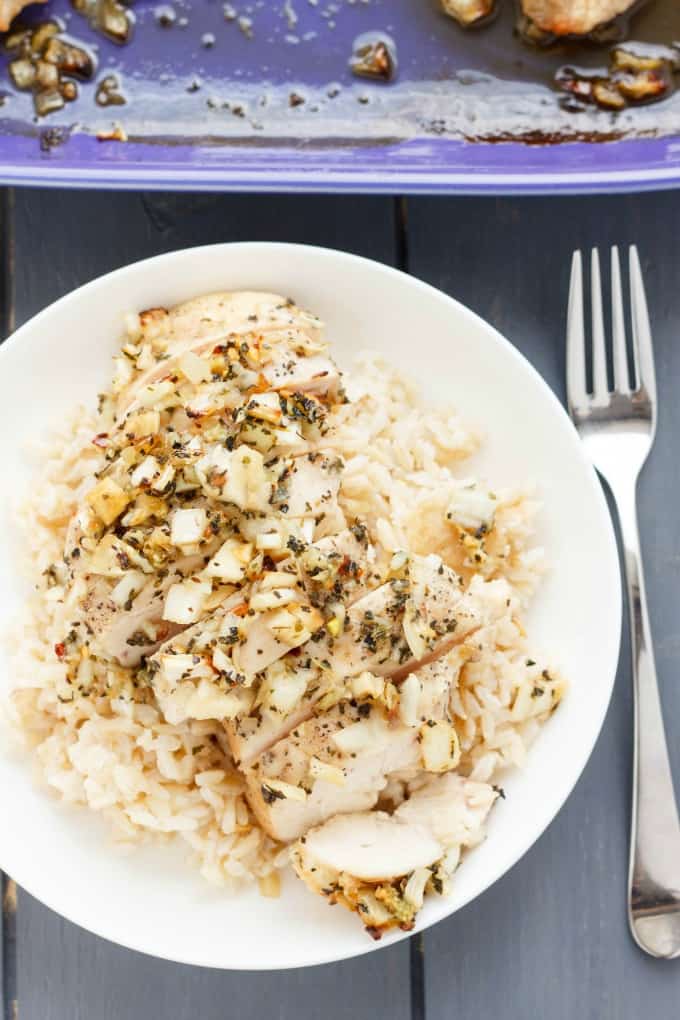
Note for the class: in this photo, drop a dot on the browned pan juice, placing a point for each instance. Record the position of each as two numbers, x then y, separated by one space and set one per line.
497 47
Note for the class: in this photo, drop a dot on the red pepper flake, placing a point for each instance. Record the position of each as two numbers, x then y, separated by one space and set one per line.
60 650
101 440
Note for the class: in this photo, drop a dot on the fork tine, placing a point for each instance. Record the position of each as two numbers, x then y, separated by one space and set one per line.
620 357
642 334
576 356
599 352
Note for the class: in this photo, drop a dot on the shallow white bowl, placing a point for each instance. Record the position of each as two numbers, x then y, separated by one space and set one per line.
150 900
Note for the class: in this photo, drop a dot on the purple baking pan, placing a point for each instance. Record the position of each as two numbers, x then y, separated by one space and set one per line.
266 101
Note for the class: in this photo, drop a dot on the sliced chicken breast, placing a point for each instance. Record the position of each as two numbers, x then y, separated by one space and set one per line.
126 634
308 777
450 807
291 352
307 488
404 621
380 865
339 761
371 846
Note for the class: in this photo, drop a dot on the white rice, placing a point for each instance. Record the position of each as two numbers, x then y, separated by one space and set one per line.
150 779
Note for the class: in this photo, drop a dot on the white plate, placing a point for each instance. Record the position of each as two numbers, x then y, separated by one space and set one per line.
150 900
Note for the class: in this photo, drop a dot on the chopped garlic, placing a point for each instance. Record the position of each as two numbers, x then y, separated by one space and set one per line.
265 407
282 688
177 668
146 423
472 508
196 369
155 393
128 587
409 693
184 601
108 500
414 890
287 791
328 773
164 480
273 599
269 540
145 471
187 526
367 685
277 579
230 561
439 745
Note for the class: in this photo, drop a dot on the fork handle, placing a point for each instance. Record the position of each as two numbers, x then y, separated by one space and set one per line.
654 875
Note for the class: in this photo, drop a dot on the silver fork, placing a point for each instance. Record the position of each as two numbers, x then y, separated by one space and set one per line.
617 425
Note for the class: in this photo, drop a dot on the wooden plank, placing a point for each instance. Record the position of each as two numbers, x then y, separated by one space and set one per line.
551 939
62 240
8 892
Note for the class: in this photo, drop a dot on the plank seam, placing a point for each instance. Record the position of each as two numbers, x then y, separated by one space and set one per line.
416 944
7 885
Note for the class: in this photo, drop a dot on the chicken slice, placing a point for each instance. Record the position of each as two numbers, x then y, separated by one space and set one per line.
289 616
341 568
380 865
126 635
437 615
193 677
340 760
308 777
307 489
283 335
297 488
10 8
572 17
125 613
370 846
405 621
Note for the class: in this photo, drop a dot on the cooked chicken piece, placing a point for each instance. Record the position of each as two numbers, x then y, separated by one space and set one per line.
193 677
308 488
10 8
572 17
281 333
281 614
405 621
299 488
125 599
312 374
288 689
371 846
451 807
341 568
123 634
437 616
381 865
307 777
467 12
340 760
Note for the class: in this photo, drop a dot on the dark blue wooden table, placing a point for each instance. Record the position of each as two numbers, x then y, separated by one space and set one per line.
550 940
